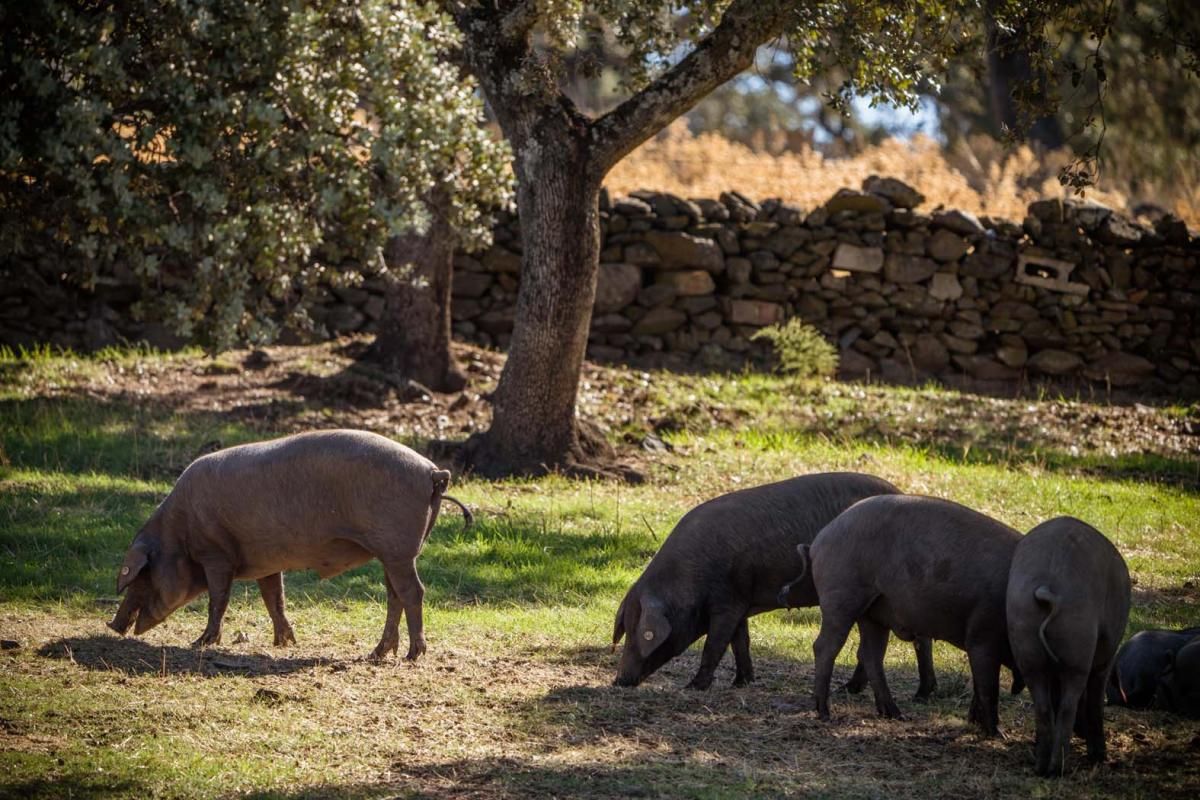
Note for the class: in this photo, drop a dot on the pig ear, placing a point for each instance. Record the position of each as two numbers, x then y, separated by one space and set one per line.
619 625
653 627
135 560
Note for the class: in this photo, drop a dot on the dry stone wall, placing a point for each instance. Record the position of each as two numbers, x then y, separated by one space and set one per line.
1074 292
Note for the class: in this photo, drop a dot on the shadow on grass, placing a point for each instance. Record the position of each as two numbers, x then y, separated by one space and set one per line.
136 657
56 787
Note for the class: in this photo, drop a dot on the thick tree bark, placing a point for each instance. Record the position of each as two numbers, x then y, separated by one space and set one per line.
1010 69
413 342
534 427
561 157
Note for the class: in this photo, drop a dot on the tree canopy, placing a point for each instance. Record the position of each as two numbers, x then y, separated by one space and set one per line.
233 155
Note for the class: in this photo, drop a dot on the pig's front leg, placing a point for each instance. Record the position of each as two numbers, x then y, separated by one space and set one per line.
271 588
220 581
722 626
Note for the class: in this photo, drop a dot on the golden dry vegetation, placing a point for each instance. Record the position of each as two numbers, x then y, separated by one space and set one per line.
979 175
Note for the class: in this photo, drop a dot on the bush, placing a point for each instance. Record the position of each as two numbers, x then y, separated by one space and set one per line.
801 349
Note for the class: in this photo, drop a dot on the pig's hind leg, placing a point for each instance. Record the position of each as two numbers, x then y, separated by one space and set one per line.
219 578
872 646
741 654
271 588
405 595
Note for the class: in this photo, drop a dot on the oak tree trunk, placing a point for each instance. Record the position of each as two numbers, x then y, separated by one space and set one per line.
1010 70
413 342
534 426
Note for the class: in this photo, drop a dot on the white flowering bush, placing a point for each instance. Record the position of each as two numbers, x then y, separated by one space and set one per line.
232 155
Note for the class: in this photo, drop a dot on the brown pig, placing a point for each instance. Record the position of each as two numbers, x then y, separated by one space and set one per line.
725 562
916 566
327 501
1067 605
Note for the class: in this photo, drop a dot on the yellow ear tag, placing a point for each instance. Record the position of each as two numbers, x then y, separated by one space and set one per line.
648 635
124 570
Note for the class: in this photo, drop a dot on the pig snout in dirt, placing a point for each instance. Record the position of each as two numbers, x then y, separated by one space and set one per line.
1141 662
327 501
724 562
919 567
1067 604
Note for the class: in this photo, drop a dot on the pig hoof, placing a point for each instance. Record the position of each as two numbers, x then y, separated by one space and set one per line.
699 684
742 680
415 651
206 639
284 638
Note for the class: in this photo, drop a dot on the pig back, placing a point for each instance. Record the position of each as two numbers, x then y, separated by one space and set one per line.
750 536
326 500
938 568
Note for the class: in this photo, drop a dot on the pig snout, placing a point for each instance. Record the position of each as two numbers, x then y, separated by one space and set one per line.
627 681
125 616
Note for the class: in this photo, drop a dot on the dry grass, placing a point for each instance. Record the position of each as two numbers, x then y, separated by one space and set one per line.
980 176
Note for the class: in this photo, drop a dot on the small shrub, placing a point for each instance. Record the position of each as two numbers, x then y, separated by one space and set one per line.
801 349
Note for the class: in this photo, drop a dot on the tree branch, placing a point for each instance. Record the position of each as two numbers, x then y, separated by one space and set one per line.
720 56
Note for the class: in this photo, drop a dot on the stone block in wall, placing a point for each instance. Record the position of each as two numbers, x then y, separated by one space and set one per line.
712 210
631 207
709 320
1012 350
857 259
351 295
957 344
344 318
896 191
678 250
811 308
659 320
754 312
916 302
496 321
740 207
500 259
945 286
617 286
964 223
1120 369
985 369
611 323
642 255
861 202
787 240
1119 231
929 354
739 270
689 283
1048 210
697 305
1054 362
471 284
900 268
464 308
656 294
946 245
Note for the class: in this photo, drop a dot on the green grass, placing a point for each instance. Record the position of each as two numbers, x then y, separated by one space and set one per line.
513 698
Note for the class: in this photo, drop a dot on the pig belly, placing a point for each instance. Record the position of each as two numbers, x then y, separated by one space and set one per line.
909 623
327 559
